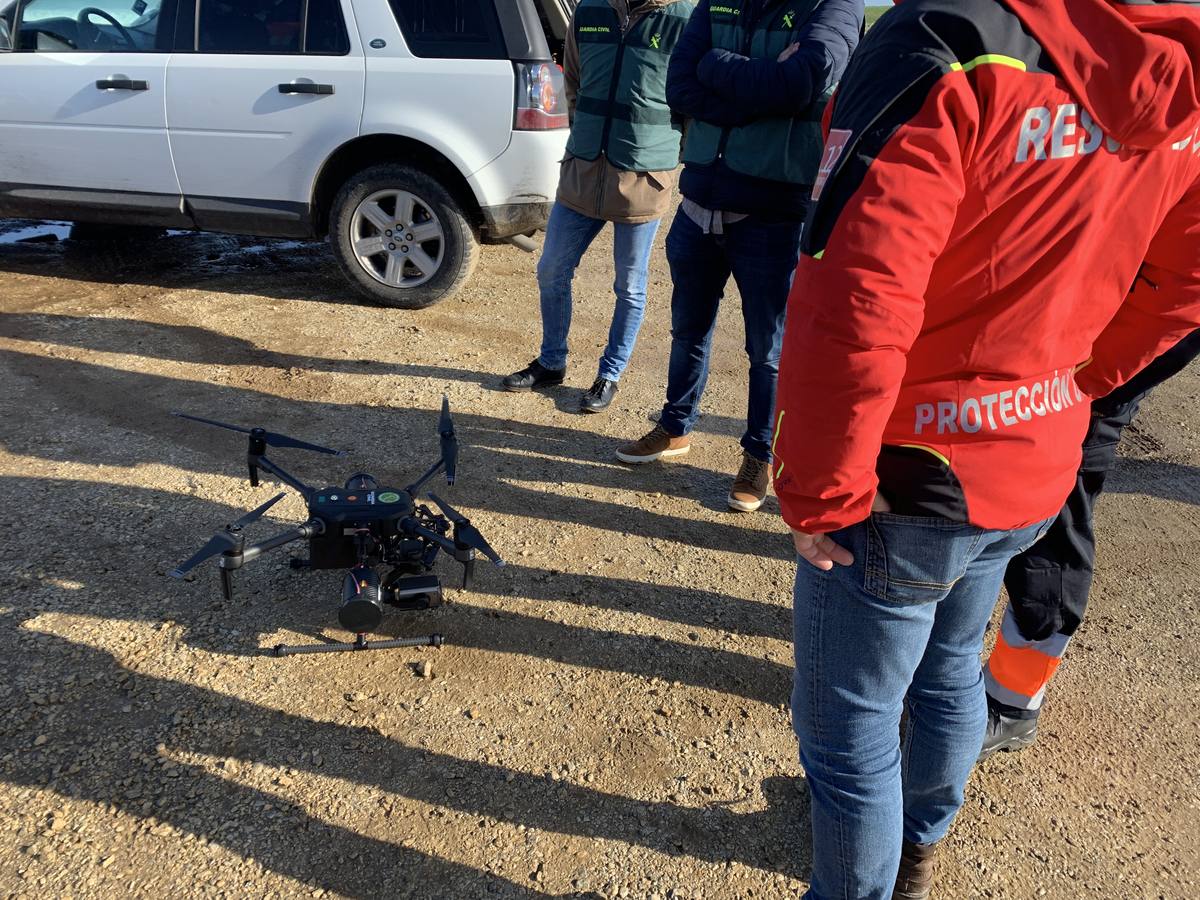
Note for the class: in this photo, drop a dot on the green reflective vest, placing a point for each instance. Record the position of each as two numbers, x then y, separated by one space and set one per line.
777 148
621 108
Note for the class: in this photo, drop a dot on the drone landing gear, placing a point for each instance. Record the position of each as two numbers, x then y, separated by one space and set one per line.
360 643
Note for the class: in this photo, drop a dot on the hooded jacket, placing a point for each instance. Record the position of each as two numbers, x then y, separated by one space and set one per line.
1006 223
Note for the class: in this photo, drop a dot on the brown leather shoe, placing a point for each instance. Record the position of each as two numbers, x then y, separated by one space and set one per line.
750 487
915 878
655 445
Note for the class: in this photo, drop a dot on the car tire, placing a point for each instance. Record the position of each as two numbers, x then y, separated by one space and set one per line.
376 224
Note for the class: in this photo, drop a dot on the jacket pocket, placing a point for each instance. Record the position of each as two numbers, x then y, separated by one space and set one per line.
662 181
916 559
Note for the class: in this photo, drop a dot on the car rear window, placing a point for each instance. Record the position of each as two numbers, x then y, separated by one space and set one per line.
451 29
276 26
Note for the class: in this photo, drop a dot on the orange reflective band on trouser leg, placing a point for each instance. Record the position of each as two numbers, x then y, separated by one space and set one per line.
1020 671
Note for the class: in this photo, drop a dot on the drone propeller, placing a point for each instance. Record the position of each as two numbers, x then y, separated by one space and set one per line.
465 532
269 437
225 539
449 440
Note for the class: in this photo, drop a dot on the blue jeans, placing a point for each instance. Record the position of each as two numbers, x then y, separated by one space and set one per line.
902 626
762 258
568 235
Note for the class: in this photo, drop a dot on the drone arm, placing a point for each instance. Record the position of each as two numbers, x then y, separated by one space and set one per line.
411 527
253 551
287 478
412 489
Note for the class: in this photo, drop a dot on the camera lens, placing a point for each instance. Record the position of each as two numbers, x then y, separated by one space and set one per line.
362 606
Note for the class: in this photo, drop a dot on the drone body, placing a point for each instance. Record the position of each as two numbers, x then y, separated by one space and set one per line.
382 510
361 527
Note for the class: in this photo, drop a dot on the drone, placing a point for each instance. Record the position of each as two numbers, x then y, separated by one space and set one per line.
361 526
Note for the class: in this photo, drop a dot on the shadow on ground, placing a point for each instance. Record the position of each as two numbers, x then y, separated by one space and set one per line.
528 453
193 344
115 556
1156 478
120 769
118 541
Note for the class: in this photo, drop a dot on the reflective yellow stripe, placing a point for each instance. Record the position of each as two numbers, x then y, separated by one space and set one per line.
989 59
775 440
928 450
818 254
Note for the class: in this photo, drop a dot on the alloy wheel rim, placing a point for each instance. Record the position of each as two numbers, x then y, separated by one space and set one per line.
397 238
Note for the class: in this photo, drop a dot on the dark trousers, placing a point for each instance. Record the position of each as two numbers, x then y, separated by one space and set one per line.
761 257
1048 584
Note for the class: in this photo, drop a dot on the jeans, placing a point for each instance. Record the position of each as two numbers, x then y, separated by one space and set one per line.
568 235
762 258
1048 585
902 626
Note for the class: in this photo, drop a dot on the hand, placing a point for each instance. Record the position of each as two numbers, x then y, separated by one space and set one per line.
787 53
820 550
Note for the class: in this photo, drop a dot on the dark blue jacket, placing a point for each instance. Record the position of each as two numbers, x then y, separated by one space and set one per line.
728 90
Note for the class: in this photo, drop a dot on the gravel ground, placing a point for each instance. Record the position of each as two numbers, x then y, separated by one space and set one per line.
608 717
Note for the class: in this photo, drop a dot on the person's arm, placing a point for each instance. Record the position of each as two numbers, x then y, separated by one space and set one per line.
1162 308
787 87
571 68
685 94
858 299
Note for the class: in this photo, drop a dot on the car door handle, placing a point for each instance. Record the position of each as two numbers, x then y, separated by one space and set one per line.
305 87
121 84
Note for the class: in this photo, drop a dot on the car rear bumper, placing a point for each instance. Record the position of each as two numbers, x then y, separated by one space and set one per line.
500 222
516 189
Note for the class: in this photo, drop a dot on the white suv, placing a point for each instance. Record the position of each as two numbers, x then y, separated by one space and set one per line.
405 130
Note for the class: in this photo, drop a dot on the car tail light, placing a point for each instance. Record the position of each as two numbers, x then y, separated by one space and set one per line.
541 99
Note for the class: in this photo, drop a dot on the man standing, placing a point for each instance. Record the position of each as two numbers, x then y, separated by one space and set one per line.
620 168
1048 584
962 283
753 76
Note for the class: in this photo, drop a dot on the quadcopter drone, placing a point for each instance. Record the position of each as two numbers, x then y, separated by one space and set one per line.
360 526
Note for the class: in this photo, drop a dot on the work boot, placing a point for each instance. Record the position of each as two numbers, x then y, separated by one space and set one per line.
914 881
1006 732
598 396
750 487
534 375
655 445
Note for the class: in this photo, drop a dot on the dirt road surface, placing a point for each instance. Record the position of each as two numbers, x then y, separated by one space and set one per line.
609 715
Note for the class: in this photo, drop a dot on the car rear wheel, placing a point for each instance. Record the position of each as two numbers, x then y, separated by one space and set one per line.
400 237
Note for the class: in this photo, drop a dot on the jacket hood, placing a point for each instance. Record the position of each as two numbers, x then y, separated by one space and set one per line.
1129 63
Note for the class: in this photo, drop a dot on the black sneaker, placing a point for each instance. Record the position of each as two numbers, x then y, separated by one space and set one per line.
1007 733
534 375
598 396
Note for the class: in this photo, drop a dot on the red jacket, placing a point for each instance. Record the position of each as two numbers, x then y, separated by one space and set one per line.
996 178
